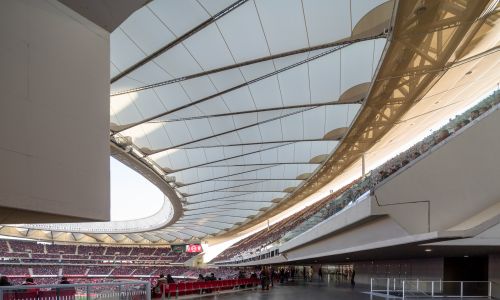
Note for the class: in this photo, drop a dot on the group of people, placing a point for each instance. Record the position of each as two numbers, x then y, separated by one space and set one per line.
268 275
210 277
165 280
4 281
31 286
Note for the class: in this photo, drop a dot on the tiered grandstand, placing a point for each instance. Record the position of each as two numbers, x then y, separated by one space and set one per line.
302 221
46 263
23 258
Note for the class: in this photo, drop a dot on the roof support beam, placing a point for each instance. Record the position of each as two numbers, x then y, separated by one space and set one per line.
218 207
245 63
173 231
225 176
162 235
214 215
224 191
201 225
231 157
179 40
237 129
256 179
262 164
225 197
226 204
176 234
244 165
235 156
255 143
148 152
264 179
204 99
226 188
230 187
192 233
209 221
190 228
233 201
336 102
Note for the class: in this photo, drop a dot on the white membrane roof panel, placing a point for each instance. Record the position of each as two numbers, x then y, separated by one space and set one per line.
238 109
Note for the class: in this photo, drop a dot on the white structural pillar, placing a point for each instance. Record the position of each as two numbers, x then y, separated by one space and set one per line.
54 114
363 165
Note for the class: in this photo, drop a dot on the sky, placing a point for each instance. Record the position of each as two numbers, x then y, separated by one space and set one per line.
132 196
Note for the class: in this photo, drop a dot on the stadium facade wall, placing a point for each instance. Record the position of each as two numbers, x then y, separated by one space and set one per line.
423 269
494 274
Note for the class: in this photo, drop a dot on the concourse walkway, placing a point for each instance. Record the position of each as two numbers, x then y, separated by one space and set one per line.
308 291
299 290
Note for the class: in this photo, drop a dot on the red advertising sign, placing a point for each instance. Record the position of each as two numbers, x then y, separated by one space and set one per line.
194 248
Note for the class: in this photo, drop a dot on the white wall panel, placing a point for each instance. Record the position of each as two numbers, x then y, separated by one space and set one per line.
54 114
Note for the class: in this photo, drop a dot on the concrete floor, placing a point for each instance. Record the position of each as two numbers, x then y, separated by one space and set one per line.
307 291
298 291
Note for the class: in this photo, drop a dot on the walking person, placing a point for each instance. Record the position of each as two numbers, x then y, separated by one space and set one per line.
264 278
273 277
353 283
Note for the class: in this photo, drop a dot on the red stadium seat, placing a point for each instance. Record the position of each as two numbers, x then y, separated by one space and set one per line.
26 295
190 287
172 290
204 286
181 288
67 294
197 287
8 295
42 295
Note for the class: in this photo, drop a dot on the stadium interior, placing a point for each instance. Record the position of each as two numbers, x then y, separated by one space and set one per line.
301 148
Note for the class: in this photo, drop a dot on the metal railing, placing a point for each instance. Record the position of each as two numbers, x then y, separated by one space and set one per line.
415 288
122 290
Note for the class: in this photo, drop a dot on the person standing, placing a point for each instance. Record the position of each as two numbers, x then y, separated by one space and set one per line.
273 276
264 278
320 273
64 280
353 283
30 281
4 281
170 279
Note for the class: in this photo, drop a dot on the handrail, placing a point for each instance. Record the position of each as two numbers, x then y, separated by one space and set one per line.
133 289
429 288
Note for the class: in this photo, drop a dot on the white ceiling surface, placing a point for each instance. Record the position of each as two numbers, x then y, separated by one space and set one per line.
230 166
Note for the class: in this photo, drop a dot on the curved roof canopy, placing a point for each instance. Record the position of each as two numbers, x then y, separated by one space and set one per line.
238 103
235 110
234 104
